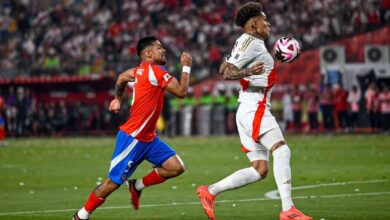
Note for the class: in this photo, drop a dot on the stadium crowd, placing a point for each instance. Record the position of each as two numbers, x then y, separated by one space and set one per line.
302 109
74 37
98 36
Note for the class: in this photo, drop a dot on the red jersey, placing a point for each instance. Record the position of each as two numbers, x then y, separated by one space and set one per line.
148 100
340 102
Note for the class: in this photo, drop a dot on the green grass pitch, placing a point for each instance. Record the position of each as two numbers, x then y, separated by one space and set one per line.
336 178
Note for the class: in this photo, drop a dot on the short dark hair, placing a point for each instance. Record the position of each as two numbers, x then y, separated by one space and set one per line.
144 43
248 11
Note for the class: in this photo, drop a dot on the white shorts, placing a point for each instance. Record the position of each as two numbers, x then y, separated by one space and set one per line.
254 120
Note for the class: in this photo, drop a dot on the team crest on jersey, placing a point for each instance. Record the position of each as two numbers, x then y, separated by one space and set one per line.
167 77
140 71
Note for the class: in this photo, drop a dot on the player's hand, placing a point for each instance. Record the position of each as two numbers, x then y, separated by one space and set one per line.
257 69
222 67
186 59
115 105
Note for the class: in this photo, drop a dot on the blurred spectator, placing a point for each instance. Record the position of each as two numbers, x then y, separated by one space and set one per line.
2 121
51 62
297 100
204 112
174 124
232 107
102 34
384 10
2 103
384 100
327 107
188 114
2 130
354 107
287 109
220 111
21 106
215 58
340 102
372 105
312 99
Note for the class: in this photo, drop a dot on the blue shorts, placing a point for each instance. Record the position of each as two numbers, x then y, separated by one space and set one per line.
130 152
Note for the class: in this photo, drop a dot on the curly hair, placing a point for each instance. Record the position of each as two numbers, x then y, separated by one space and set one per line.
248 11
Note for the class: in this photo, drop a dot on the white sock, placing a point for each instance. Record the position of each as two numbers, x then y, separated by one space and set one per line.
282 173
236 180
83 214
139 185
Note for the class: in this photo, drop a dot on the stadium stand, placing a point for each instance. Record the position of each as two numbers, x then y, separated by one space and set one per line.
62 43
82 37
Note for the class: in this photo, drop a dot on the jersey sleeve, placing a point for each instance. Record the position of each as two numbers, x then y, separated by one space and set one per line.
162 76
244 53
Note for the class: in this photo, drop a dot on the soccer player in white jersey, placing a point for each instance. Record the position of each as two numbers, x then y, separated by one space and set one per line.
258 130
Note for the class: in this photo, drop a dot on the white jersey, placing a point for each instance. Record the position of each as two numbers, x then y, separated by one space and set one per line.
247 51
254 117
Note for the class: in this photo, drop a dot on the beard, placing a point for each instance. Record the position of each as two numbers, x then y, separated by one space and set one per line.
161 61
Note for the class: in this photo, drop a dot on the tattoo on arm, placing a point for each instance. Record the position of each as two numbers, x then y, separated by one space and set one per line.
232 72
119 89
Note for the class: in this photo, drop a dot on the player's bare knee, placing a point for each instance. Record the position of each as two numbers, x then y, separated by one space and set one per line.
177 170
181 169
261 168
263 171
277 145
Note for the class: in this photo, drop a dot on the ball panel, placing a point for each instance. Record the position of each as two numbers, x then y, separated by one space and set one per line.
286 49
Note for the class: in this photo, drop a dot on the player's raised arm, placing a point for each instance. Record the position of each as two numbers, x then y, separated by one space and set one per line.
120 85
231 72
177 88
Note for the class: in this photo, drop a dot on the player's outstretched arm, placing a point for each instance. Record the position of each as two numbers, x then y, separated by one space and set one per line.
177 88
231 72
120 85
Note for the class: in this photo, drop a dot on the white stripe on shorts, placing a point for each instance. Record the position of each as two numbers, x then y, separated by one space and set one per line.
124 154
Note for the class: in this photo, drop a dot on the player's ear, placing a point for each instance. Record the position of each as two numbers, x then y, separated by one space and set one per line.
254 23
148 52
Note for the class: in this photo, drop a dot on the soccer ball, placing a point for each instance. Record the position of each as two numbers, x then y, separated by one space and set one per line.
287 49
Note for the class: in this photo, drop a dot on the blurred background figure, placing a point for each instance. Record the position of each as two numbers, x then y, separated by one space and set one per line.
340 97
188 114
297 100
232 106
372 105
2 120
384 100
174 124
220 111
312 99
205 109
68 53
327 108
287 109
354 98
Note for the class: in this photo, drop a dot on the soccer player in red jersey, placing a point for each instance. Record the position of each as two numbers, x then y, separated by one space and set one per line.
253 65
137 140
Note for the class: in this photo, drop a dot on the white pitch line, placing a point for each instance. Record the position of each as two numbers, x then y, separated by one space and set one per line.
274 194
198 203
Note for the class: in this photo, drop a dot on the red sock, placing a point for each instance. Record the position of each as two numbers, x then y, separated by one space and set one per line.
152 179
93 202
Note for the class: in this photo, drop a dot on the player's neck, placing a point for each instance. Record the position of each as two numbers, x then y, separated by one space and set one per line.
256 35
